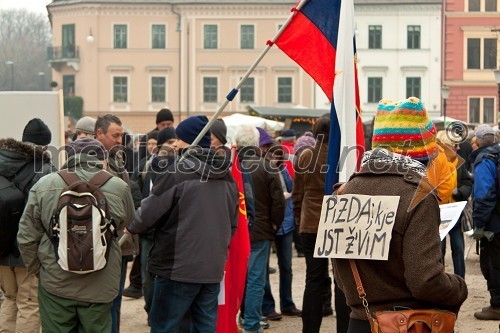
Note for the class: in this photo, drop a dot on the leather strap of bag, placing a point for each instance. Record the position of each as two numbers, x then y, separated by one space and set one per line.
361 291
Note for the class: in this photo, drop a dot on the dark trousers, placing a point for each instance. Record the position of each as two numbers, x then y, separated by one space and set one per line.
359 326
135 273
173 299
342 310
490 267
457 249
297 240
316 270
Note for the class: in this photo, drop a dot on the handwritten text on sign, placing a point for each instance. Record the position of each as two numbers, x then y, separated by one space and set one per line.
355 226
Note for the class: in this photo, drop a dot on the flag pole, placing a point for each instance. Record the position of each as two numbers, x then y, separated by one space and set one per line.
235 90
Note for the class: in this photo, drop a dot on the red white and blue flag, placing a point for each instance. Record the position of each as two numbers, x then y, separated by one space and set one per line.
320 39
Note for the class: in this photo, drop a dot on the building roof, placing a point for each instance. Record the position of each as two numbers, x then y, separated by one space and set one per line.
179 2
265 111
220 2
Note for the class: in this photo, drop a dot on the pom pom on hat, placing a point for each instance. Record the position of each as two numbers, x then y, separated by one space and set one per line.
405 128
306 140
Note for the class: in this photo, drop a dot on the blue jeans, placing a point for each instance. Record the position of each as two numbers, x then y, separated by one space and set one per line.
457 249
117 302
147 278
173 299
256 281
284 252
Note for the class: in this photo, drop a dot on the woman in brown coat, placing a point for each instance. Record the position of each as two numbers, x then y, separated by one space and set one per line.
413 276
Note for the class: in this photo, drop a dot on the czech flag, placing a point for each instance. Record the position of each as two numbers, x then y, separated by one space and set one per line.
233 285
320 39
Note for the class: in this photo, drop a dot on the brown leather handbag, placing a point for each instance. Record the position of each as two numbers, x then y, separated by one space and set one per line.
405 321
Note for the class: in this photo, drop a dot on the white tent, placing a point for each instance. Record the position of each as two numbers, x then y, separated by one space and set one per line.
235 120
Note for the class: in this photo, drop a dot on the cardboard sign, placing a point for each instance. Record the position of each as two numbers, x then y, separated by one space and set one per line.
450 214
354 226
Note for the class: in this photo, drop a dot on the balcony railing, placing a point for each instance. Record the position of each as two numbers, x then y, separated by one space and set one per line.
55 53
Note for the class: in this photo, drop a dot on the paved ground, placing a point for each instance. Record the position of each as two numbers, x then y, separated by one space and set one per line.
134 317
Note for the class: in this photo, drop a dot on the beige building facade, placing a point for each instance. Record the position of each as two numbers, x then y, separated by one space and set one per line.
132 58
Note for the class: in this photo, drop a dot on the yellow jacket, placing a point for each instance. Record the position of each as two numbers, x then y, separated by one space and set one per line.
442 177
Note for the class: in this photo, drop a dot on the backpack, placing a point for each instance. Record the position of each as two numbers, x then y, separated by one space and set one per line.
11 208
82 226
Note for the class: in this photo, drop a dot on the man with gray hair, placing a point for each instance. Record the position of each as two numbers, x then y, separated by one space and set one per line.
486 215
269 213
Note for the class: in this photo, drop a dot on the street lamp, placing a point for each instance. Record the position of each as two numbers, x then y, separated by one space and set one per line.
42 80
497 78
11 64
445 93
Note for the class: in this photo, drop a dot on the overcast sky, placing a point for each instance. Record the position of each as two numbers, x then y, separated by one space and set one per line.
32 5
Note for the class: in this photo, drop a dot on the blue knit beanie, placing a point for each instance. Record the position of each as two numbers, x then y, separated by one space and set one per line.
189 129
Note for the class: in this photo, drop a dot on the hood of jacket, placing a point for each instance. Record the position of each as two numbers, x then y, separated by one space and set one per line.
494 148
14 155
205 162
83 161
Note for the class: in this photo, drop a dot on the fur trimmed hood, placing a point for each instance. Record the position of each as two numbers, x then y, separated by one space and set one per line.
14 155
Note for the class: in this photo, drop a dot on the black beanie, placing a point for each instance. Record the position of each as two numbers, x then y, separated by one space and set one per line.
37 132
219 129
189 129
166 134
152 135
164 115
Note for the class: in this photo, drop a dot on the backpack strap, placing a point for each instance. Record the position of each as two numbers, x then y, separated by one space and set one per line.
100 178
69 177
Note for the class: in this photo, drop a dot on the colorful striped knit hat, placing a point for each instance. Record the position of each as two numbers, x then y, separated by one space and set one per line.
405 128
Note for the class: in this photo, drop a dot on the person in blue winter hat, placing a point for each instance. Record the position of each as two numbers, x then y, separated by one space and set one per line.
191 238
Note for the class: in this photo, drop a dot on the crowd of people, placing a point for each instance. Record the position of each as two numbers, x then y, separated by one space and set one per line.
171 209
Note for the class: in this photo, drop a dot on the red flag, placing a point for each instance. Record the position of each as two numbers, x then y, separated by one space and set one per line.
236 265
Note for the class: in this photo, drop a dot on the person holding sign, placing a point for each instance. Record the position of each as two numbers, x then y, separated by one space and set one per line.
410 273
486 215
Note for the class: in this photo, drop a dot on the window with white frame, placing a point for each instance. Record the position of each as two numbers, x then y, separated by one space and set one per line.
158 34
413 37
247 37
284 90
158 89
374 89
482 110
247 91
413 87
210 90
120 36
210 36
375 37
120 89
481 53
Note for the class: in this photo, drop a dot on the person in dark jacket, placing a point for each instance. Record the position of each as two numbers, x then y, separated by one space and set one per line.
269 203
461 181
283 242
413 276
191 238
23 163
486 215
157 165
